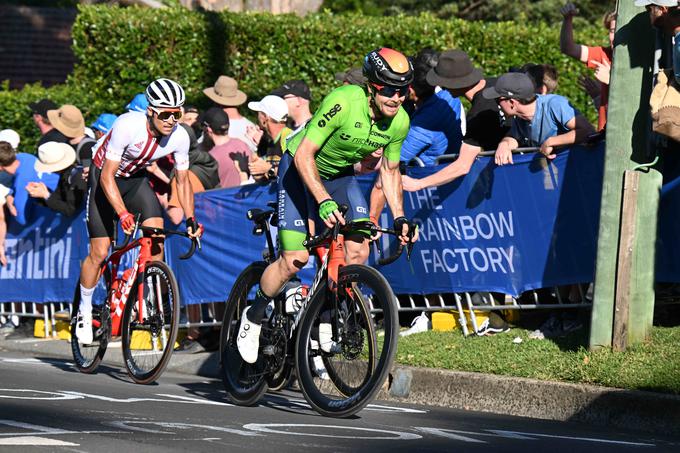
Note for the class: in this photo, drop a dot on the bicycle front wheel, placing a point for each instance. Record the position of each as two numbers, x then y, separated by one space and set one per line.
342 333
87 357
150 331
245 383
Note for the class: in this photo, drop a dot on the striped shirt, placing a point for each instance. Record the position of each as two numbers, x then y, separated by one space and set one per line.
131 143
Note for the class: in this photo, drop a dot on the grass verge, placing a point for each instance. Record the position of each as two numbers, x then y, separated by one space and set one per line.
653 365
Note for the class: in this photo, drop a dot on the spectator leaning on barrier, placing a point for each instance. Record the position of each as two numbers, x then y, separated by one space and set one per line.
47 131
297 95
231 154
22 167
544 121
436 123
272 112
226 95
67 198
598 58
486 124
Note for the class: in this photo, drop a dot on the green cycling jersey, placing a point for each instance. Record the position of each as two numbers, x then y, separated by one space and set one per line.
343 129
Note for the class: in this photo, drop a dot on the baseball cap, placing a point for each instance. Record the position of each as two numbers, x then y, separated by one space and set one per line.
272 106
656 2
294 87
104 122
138 104
42 106
216 119
514 85
10 136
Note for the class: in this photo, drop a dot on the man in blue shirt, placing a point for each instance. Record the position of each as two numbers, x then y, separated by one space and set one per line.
437 122
544 121
22 167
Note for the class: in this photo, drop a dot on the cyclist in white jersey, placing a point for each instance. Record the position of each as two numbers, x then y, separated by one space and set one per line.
118 185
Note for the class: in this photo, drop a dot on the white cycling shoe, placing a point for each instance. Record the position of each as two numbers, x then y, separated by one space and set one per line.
326 339
248 340
84 326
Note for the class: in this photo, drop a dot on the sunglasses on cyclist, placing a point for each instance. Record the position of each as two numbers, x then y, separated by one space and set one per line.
165 115
389 91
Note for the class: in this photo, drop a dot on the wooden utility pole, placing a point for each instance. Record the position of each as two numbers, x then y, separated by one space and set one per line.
626 250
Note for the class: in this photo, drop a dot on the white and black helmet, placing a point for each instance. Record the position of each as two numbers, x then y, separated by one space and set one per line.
165 93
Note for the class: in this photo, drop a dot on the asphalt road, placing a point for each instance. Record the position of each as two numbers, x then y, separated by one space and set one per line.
46 405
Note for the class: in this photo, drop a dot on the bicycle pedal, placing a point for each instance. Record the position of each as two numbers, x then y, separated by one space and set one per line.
269 350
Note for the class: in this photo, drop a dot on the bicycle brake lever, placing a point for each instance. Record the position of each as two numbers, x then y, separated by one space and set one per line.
409 249
198 243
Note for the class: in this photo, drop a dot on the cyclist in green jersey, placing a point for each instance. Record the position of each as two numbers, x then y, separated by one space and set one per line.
316 175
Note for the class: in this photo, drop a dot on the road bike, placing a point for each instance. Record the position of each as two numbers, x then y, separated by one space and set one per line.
354 303
148 323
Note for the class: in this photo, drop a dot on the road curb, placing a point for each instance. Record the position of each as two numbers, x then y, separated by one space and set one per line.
548 400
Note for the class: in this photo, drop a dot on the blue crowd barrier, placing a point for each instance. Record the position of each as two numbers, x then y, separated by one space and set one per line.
508 229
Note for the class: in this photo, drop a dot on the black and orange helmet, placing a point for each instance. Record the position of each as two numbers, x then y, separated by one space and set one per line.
386 66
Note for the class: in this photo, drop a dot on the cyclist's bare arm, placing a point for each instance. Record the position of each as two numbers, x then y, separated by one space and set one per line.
186 193
108 182
391 187
306 167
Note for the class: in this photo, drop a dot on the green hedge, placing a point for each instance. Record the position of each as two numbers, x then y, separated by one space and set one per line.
119 50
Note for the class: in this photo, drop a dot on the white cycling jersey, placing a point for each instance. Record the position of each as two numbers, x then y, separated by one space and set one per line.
131 143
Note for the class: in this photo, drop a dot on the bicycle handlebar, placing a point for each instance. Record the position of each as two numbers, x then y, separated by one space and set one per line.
316 241
195 242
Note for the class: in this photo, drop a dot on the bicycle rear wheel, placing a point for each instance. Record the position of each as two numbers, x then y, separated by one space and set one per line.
245 383
361 357
87 357
149 337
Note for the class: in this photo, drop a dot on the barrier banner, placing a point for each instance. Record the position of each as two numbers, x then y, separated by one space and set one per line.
43 257
507 229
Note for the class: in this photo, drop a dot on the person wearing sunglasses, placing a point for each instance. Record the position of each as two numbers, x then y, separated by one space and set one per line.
316 176
119 185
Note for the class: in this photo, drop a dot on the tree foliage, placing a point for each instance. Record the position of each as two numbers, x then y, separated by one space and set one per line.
484 10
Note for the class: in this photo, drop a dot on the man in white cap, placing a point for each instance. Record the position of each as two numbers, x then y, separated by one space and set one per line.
67 198
226 95
272 113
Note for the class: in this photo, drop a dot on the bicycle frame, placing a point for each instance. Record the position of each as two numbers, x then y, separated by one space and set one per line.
144 245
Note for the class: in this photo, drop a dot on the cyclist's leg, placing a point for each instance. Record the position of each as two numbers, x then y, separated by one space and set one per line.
346 190
139 198
293 212
100 228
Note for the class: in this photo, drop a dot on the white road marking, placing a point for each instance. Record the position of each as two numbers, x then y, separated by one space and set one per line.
57 395
451 434
33 441
271 428
127 424
504 433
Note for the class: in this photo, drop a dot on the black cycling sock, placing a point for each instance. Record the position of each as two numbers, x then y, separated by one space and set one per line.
256 311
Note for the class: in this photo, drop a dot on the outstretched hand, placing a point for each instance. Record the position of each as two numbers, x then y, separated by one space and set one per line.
569 10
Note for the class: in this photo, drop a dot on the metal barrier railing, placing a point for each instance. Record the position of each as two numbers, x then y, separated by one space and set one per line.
209 314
